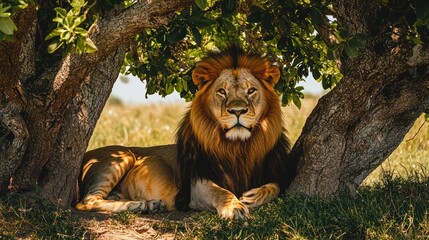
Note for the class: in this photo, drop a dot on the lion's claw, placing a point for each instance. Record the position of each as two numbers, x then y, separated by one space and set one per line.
258 196
234 210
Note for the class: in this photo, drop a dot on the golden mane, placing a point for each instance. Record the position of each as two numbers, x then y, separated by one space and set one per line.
209 68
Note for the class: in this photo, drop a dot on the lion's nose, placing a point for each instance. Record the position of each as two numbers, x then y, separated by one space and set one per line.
238 112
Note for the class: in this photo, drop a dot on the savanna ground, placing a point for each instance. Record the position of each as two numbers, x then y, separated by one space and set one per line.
393 202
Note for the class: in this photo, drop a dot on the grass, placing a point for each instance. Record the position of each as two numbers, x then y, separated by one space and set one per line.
395 209
31 217
391 204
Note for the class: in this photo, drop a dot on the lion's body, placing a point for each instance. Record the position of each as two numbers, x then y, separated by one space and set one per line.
231 152
117 178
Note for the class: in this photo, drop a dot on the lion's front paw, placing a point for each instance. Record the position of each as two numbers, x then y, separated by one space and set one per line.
233 209
151 206
258 196
156 206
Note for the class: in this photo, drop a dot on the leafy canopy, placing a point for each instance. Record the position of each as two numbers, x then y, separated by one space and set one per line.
285 29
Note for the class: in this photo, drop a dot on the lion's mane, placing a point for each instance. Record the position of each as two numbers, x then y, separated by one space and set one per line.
204 152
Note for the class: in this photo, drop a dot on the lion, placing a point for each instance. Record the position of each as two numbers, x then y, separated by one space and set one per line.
231 152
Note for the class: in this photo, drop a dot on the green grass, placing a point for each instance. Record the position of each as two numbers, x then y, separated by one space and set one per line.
31 217
393 202
393 209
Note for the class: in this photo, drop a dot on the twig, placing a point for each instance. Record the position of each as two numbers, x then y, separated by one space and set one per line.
418 131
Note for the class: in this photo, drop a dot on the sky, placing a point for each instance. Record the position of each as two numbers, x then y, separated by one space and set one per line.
133 92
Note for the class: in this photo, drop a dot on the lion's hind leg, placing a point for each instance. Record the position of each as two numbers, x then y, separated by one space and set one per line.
258 196
106 205
102 170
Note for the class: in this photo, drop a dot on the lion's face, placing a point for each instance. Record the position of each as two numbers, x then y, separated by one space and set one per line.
237 102
236 107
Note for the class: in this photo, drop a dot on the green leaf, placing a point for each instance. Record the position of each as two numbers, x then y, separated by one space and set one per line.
200 21
81 31
77 21
65 35
169 89
358 41
326 81
54 45
316 74
61 12
351 50
228 7
267 22
185 85
299 88
58 20
296 100
316 16
22 4
5 15
5 37
197 35
202 4
7 26
285 99
255 15
77 3
177 35
282 43
90 46
179 87
230 26
80 44
55 33
3 10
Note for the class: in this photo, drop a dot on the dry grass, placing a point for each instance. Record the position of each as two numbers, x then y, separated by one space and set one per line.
144 125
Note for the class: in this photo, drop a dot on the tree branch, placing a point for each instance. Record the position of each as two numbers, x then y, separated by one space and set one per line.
324 29
326 32
125 26
356 16
107 35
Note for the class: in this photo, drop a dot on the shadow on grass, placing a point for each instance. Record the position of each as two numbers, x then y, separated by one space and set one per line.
394 208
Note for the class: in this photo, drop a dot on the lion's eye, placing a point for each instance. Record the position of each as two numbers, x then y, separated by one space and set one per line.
221 92
251 90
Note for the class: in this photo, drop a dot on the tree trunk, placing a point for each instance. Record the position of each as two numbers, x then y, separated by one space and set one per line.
16 63
358 124
49 105
353 129
58 177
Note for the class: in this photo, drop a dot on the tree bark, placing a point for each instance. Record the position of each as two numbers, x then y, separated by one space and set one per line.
358 124
58 177
49 105
15 64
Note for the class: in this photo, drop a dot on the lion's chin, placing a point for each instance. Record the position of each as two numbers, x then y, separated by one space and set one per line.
238 133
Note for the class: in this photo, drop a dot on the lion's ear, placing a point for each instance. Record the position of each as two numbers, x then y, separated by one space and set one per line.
272 74
200 76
